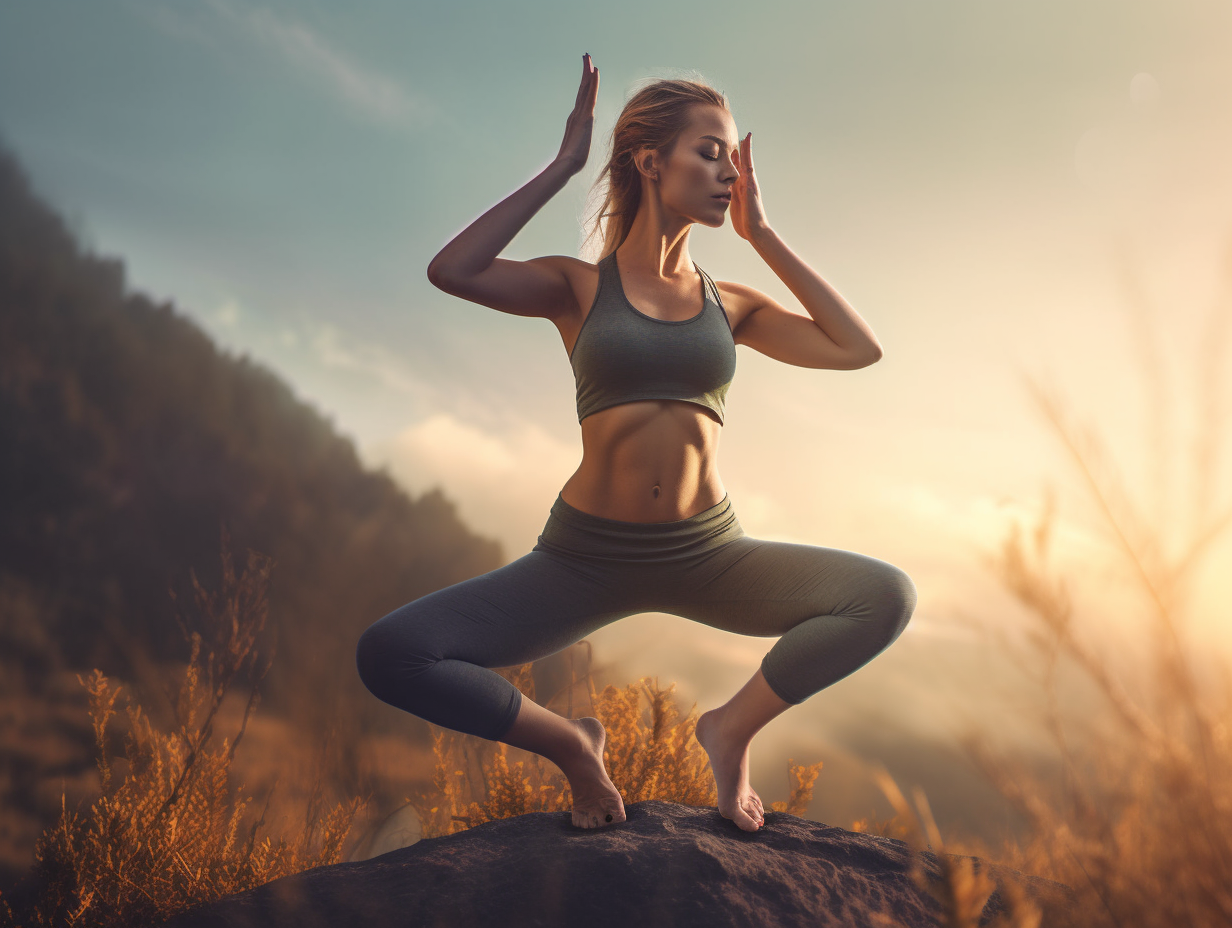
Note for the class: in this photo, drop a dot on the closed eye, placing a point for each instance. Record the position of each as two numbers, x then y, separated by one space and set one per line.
709 158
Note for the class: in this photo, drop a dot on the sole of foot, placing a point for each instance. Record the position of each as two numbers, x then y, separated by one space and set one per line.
596 801
729 762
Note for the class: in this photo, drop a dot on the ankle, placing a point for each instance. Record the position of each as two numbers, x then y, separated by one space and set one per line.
717 722
749 711
725 722
542 732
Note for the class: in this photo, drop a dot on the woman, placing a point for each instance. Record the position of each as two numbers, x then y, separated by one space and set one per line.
644 524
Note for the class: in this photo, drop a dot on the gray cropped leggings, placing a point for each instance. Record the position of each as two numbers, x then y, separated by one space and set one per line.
835 610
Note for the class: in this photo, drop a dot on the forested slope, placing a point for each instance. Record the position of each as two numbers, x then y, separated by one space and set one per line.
127 437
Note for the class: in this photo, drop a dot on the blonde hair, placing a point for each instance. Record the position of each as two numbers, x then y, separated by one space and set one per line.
653 118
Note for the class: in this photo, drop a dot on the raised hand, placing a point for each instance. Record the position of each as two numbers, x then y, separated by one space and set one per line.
575 148
747 215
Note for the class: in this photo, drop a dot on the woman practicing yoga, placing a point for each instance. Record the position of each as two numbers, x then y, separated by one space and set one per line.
644 524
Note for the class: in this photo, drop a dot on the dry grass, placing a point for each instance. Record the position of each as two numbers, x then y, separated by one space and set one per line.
167 834
961 891
650 753
1143 828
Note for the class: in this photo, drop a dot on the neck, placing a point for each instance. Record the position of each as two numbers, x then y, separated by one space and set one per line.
657 244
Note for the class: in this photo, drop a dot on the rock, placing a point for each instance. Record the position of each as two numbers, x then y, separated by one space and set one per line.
668 864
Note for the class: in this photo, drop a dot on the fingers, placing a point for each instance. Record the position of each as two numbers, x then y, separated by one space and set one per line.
589 86
582 85
746 152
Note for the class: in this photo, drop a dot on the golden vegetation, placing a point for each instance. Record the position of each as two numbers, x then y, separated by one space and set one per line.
650 753
1142 830
167 834
962 891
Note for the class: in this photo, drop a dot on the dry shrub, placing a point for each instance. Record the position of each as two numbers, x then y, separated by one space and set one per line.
892 827
1143 828
650 753
166 836
961 891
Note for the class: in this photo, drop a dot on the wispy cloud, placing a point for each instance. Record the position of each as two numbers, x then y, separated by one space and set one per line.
362 90
332 349
379 97
504 483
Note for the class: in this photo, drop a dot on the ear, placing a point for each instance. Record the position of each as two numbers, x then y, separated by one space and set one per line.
647 163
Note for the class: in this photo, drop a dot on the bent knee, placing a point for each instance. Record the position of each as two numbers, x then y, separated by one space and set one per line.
888 602
387 655
896 600
904 590
371 656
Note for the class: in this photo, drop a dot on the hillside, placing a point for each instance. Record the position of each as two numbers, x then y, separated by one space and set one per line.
127 438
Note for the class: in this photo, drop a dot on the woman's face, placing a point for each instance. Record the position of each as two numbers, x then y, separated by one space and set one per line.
700 166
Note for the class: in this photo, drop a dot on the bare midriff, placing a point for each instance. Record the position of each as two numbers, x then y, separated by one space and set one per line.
647 461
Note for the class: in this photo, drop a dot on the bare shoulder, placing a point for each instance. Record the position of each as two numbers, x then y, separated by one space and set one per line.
583 277
580 273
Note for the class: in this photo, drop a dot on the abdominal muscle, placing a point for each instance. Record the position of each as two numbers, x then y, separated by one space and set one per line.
647 461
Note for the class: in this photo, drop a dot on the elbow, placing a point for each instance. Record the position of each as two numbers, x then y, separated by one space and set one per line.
436 276
867 358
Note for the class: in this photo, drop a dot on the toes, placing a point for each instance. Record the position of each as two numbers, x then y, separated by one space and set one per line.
597 819
743 819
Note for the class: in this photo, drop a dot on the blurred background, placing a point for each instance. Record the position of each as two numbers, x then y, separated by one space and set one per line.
1008 194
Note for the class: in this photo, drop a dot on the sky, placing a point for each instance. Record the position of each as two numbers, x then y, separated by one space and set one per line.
1006 193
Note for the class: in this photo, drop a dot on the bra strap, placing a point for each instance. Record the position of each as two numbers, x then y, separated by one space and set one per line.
713 288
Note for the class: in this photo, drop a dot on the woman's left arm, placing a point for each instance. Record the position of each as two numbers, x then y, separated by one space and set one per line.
835 336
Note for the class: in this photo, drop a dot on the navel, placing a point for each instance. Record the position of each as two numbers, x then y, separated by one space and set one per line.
655 491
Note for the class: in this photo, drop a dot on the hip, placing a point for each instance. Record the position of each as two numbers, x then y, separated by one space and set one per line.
570 531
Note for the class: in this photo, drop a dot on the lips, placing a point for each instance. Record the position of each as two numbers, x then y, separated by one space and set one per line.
725 197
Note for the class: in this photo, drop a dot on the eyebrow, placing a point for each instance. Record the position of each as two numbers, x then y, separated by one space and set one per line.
714 138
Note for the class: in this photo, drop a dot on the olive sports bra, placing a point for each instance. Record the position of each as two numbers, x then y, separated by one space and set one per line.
622 355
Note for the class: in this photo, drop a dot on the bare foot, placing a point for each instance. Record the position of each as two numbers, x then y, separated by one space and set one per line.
729 761
596 801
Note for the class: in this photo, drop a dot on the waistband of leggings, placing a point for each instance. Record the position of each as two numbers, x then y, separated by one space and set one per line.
571 531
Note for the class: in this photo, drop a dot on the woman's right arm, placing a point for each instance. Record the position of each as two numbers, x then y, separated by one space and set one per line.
468 266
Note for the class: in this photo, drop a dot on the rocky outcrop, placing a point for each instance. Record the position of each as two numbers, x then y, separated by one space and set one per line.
667 865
